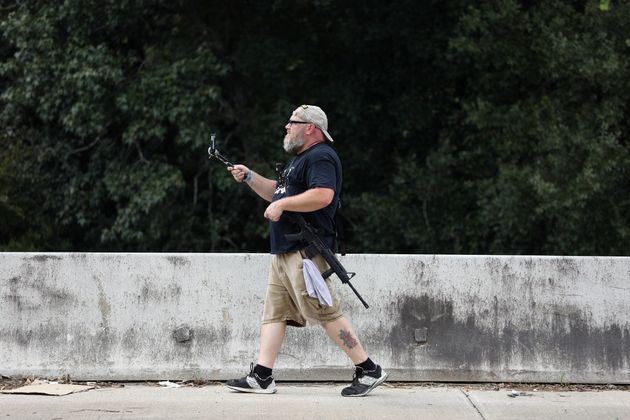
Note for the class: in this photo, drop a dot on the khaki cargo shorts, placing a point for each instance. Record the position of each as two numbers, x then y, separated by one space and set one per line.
287 299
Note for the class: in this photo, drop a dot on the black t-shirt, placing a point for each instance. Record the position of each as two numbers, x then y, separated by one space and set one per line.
318 166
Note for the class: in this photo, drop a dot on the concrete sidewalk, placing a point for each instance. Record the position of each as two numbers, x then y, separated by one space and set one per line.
316 401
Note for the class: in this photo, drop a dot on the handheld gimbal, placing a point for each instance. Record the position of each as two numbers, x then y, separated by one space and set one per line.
214 152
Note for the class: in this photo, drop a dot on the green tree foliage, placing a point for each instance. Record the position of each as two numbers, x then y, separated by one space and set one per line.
532 156
489 127
112 103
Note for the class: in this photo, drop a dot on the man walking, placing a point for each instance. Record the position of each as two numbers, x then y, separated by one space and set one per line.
310 184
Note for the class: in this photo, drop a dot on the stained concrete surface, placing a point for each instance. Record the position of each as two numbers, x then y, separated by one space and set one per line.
445 318
553 405
316 401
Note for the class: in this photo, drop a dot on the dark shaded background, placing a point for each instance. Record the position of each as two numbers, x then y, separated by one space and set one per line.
494 127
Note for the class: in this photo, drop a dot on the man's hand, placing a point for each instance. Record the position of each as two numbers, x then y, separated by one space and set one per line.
239 172
274 211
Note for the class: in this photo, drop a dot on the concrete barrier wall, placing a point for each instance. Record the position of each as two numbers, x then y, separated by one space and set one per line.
432 318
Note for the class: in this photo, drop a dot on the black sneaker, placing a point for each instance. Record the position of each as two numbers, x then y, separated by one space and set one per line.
253 383
364 381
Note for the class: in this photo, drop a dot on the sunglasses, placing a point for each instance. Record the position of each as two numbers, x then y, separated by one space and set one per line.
290 122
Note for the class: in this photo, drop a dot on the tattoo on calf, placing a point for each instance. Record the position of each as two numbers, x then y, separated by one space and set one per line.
347 339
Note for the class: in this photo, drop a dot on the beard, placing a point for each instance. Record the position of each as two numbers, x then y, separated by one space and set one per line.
292 146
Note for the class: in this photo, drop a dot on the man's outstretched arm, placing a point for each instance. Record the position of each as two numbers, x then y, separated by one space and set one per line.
262 186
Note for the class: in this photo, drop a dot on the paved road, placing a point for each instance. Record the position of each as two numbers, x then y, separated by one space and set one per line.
316 401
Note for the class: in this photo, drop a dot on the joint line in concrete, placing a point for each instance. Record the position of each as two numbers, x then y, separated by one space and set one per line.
473 404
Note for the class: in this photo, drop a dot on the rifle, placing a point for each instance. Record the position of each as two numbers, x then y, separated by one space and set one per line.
307 234
315 245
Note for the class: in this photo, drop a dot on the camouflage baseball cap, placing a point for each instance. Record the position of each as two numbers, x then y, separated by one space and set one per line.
315 115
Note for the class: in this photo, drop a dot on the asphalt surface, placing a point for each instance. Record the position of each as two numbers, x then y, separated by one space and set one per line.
317 401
